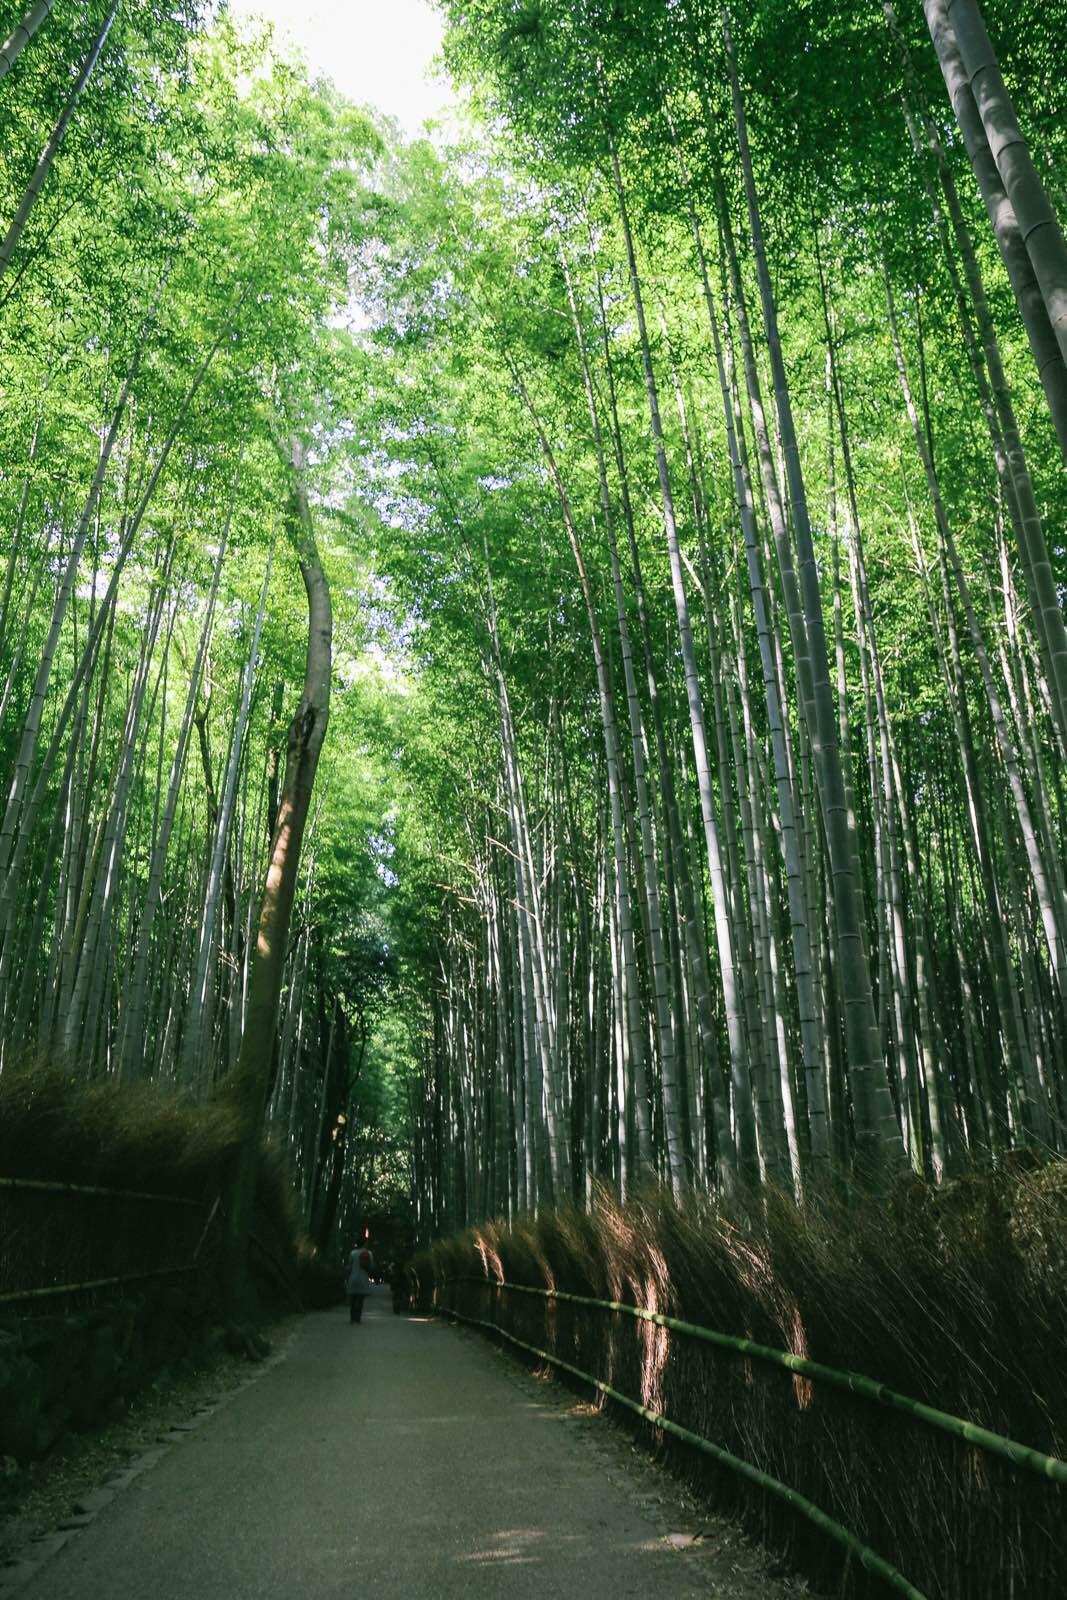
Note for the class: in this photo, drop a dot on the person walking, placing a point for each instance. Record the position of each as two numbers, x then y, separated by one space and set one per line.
358 1282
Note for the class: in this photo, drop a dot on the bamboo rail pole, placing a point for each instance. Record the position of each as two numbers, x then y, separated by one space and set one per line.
51 1186
95 1283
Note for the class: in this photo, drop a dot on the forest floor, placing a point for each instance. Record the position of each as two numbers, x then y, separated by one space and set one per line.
399 1458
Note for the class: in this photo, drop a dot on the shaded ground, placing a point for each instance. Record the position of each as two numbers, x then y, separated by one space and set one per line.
401 1458
35 1500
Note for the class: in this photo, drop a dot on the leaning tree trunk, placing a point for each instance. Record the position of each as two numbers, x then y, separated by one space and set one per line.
994 392
248 1087
66 587
16 831
1045 885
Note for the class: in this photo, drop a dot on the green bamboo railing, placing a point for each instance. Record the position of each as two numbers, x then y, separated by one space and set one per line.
1020 1455
53 1289
51 1186
868 1559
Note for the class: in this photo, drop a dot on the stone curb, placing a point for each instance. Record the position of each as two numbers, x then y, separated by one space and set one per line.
25 1564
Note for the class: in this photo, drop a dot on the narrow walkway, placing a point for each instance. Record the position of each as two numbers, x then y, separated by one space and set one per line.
396 1458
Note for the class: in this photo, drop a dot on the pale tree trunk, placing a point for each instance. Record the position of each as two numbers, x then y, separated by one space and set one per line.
84 991
693 955
803 969
743 1109
131 1048
765 901
192 1042
616 781
760 1042
533 913
672 1101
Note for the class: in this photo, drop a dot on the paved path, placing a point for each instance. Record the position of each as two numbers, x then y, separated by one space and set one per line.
396 1458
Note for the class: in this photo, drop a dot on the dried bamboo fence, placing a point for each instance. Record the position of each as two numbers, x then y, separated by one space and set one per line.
62 1241
989 1478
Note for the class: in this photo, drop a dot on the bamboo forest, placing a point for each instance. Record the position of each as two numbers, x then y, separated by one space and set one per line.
533 716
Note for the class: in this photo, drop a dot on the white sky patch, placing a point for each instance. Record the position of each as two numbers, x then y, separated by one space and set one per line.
379 667
378 52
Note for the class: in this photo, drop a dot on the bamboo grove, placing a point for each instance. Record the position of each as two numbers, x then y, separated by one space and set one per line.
735 471
679 454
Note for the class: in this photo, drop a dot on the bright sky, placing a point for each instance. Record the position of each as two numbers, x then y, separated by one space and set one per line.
377 52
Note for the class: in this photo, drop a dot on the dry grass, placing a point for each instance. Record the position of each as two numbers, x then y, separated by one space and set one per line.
58 1126
957 1297
54 1124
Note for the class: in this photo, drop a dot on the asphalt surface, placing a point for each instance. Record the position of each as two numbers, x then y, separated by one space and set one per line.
394 1458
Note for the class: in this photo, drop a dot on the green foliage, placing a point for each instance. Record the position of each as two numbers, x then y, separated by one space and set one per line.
209 198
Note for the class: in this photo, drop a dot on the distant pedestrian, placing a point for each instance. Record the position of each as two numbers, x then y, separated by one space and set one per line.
358 1281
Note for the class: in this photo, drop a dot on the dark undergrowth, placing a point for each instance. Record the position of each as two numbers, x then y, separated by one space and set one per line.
956 1297
141 1270
56 1126
59 1125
